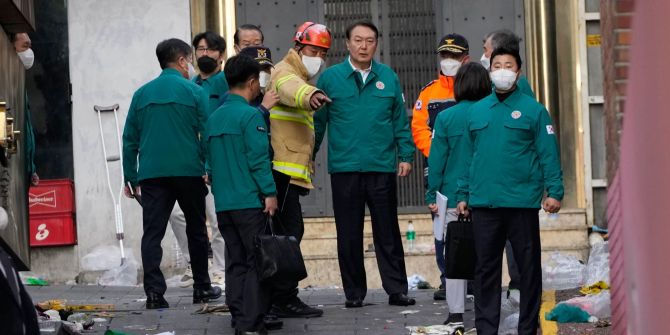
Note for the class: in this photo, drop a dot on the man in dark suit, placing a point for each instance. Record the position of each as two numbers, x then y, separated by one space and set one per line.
17 313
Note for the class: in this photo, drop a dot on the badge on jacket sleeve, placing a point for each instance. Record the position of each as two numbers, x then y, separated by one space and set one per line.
418 105
516 115
550 129
380 85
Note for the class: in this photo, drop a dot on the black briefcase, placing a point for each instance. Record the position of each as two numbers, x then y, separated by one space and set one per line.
460 249
279 257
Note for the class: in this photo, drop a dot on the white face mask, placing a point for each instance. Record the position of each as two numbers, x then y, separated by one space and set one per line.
312 64
264 79
503 79
27 58
449 67
192 73
485 61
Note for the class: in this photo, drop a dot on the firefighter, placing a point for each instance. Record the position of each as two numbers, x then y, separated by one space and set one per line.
292 128
369 145
435 97
514 161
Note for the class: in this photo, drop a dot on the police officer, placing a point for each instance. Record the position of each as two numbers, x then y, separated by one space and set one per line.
368 133
165 121
515 159
448 162
435 97
244 191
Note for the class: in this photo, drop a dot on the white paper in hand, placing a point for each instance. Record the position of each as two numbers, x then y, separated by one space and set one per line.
441 219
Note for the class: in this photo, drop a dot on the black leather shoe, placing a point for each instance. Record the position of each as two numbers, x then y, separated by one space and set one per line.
156 301
295 309
400 299
272 322
200 296
355 303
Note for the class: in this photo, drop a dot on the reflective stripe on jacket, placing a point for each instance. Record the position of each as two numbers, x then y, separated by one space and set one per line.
291 120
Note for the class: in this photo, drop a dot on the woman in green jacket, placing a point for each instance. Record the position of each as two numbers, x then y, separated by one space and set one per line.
448 161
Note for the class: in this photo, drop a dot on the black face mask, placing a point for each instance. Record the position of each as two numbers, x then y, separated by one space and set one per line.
207 64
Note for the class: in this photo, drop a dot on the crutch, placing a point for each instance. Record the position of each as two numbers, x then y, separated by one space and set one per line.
116 197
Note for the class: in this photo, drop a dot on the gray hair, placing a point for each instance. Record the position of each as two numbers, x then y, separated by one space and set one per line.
503 38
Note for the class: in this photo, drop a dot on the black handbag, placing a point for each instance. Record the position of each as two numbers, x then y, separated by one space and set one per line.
460 249
279 257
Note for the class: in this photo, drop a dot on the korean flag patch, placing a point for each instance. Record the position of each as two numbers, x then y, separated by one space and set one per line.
418 105
550 129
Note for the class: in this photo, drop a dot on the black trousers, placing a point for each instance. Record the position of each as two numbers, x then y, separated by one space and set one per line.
287 221
492 227
351 192
158 199
247 298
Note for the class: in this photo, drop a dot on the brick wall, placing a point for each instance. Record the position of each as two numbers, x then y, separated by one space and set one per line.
615 18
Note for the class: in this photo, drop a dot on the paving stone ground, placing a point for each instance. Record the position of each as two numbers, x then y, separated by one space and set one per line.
377 317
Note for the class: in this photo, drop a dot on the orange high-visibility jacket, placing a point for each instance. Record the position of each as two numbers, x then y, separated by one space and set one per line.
435 97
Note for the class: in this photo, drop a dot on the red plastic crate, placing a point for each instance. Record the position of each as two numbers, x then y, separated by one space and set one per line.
51 196
52 230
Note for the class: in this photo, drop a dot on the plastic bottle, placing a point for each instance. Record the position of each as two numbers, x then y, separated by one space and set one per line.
411 235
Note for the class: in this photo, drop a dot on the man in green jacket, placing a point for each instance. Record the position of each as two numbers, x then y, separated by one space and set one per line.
244 190
368 141
514 160
163 128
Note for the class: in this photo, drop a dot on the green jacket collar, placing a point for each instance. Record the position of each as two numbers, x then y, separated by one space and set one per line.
171 72
232 97
512 100
348 70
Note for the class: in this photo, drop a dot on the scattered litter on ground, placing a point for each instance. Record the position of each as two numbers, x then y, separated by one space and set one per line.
167 333
32 280
122 275
318 288
509 325
140 300
595 288
603 323
173 281
220 309
562 272
598 305
417 282
564 313
410 311
103 257
431 330
598 268
53 315
115 332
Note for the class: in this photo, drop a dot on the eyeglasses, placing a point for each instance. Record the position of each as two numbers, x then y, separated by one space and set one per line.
203 49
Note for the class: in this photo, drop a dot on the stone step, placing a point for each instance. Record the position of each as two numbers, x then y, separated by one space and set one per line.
324 270
327 244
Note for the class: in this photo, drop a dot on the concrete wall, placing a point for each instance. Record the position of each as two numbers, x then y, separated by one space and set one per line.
112 53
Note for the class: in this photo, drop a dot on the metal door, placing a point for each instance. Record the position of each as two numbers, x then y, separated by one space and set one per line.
409 32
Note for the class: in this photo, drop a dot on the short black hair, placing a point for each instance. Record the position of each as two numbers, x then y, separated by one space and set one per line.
239 69
236 37
169 51
507 51
214 41
364 24
472 82
504 38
